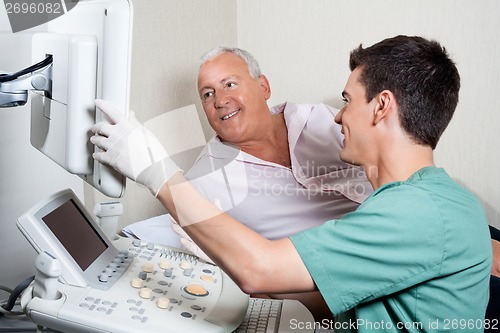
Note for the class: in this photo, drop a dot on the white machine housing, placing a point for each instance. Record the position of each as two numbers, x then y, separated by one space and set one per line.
91 49
129 286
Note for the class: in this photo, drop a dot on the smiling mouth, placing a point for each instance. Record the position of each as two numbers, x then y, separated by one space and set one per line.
230 115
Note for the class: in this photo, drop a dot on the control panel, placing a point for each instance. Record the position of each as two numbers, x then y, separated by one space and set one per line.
161 289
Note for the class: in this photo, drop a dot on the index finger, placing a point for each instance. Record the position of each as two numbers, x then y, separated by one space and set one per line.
110 110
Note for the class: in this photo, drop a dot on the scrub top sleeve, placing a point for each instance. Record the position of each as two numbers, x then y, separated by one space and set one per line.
319 274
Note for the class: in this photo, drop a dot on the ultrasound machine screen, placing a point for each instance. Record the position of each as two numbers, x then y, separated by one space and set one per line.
79 238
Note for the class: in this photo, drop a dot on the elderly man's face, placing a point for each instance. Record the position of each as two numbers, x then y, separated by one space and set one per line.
233 101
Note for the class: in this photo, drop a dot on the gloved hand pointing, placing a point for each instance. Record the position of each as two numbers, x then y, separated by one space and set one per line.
131 149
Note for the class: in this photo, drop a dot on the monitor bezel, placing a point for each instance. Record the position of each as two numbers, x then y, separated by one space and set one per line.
42 238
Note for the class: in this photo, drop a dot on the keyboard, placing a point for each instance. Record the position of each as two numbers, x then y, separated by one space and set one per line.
262 316
274 316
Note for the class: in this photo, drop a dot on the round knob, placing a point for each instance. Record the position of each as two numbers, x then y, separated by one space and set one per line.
103 277
163 303
145 292
164 264
137 282
207 278
143 275
168 272
148 267
39 82
196 290
109 271
185 265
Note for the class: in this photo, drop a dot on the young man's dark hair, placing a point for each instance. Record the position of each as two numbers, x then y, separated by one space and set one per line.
426 91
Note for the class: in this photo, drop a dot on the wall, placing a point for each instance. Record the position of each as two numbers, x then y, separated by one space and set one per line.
303 48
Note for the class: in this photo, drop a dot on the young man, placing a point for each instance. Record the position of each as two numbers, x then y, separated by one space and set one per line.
414 256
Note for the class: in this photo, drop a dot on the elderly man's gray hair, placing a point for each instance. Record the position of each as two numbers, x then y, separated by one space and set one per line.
252 64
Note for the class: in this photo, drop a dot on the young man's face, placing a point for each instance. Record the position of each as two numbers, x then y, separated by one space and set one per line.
233 101
356 118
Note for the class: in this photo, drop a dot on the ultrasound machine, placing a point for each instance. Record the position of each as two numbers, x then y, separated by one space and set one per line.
86 282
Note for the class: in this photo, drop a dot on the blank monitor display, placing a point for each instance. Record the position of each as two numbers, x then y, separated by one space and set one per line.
75 233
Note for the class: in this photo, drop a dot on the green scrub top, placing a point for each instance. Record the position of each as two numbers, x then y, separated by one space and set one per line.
415 256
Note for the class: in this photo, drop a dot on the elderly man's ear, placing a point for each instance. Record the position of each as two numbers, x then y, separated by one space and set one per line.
266 87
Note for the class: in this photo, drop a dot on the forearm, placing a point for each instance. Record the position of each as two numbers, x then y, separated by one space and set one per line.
255 263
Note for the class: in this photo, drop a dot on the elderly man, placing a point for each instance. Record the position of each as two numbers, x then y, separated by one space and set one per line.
284 160
416 253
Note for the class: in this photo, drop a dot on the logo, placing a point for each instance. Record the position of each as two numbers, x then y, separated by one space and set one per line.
25 14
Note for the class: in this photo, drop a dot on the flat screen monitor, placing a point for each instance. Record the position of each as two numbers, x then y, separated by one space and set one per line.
61 226
71 234
90 47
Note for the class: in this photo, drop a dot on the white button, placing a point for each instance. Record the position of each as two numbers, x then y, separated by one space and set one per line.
137 282
207 278
148 267
103 277
163 303
164 264
146 292
185 265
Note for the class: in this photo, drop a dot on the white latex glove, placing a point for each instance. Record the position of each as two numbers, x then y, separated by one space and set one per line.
188 243
131 149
